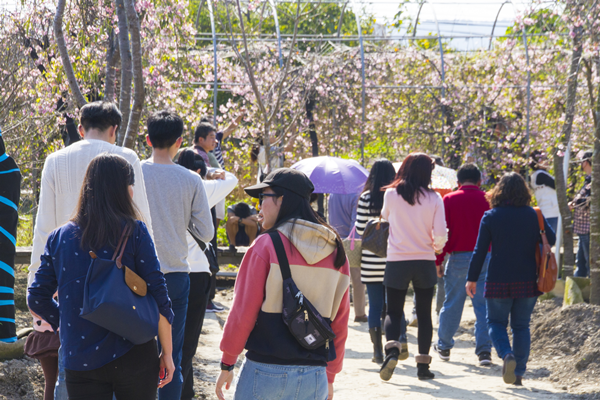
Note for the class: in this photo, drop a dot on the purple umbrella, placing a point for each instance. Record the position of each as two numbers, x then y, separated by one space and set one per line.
333 175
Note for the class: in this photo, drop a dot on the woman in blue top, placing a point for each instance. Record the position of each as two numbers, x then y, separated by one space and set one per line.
99 363
511 227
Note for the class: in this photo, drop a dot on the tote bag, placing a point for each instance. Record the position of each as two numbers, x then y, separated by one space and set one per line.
353 248
115 298
375 237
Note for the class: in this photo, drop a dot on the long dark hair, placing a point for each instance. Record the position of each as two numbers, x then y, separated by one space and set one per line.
295 207
382 174
104 202
414 177
510 191
189 159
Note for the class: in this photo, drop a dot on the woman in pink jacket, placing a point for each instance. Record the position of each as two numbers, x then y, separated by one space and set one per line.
276 365
417 231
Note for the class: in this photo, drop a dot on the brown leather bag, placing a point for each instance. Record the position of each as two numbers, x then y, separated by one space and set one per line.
547 268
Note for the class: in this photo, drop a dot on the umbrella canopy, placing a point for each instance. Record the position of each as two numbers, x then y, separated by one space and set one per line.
334 175
441 177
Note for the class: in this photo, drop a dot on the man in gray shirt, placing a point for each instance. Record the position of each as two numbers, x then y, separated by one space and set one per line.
177 202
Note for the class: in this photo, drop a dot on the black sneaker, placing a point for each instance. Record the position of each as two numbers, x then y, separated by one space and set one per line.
444 354
508 369
213 308
485 359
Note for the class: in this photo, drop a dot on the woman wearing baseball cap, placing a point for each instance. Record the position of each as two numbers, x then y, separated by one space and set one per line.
276 365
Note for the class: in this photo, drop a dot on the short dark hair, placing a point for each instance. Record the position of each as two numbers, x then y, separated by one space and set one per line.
468 172
192 161
164 128
438 160
203 130
510 191
587 156
100 115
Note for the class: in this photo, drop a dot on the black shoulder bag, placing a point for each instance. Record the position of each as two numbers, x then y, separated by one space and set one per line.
307 326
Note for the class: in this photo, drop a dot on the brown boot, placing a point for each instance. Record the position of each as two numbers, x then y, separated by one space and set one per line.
377 345
423 372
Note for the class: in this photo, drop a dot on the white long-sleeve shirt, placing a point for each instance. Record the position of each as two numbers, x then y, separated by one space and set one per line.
216 191
62 178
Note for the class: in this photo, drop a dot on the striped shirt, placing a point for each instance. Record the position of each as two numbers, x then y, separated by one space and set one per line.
218 151
372 267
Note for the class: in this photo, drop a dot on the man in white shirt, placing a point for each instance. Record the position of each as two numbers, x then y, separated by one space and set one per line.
62 178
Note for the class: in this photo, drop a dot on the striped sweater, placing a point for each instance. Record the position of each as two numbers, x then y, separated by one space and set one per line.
255 320
372 268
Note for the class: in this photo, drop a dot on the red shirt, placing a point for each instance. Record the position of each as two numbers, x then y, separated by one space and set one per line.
464 209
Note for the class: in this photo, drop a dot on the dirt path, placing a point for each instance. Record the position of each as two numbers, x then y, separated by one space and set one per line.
461 378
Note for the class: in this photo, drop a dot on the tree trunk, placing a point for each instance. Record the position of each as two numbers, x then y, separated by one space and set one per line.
561 185
112 57
64 54
595 204
126 73
133 24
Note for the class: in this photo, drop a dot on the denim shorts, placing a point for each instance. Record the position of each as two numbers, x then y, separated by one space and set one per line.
259 381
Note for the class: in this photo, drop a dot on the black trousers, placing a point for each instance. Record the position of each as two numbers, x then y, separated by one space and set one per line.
200 285
133 376
395 314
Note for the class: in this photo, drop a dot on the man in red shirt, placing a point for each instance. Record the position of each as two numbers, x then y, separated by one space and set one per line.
464 209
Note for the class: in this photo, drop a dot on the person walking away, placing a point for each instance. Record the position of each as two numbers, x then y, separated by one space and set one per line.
276 365
417 232
464 209
511 228
581 217
372 267
99 363
544 190
342 209
178 203
62 177
217 185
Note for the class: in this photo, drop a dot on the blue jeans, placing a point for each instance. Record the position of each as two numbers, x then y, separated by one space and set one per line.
553 222
60 390
454 282
376 293
178 286
520 311
258 381
583 257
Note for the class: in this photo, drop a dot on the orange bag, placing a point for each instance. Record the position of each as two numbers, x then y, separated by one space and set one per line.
547 268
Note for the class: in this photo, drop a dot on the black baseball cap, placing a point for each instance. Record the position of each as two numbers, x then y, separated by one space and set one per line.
287 178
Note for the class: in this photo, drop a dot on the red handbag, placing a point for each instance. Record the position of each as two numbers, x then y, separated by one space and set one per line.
547 268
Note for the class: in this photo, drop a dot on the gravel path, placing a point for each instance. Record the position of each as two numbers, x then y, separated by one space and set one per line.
460 378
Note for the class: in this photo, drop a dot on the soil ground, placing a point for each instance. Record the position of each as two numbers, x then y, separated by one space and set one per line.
563 365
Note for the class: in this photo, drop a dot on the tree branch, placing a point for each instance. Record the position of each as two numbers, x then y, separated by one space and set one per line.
133 24
126 73
64 54
112 57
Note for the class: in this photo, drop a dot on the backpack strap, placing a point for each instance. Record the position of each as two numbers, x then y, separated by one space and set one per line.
284 265
540 219
118 255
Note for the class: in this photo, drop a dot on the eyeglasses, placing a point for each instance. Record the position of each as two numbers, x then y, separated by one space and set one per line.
261 197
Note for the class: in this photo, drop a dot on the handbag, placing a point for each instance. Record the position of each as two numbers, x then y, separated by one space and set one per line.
115 298
375 237
547 268
353 249
305 323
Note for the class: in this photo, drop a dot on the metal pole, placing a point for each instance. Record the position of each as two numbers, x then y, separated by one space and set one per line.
274 8
528 90
362 62
494 26
214 37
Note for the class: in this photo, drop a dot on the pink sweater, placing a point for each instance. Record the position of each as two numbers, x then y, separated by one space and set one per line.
416 232
255 321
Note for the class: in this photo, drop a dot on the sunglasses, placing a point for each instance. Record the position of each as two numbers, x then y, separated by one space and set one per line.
261 197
